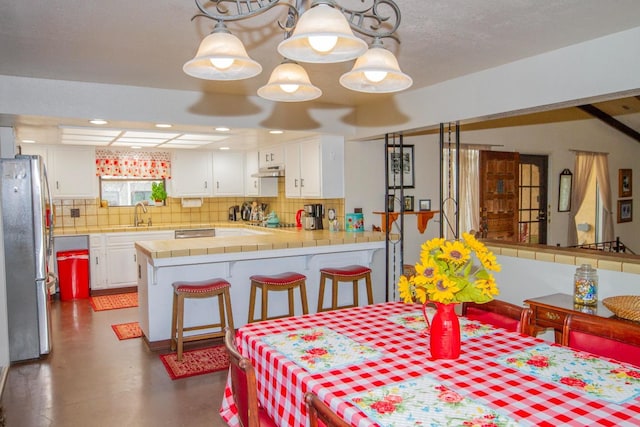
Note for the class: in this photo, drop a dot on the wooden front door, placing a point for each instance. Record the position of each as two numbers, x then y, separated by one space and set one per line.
499 195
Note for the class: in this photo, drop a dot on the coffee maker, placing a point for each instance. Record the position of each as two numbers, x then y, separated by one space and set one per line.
313 215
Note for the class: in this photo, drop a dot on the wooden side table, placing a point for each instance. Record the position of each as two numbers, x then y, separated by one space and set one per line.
550 311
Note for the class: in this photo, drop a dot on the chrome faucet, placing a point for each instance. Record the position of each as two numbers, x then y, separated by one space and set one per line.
138 220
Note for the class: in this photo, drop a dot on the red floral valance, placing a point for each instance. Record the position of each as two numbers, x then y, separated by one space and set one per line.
134 164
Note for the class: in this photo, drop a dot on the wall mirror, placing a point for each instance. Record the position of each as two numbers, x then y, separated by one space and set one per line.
564 195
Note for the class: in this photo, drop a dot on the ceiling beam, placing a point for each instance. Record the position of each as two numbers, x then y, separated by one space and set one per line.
596 112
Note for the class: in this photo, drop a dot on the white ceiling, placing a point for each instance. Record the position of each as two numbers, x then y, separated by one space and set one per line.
144 43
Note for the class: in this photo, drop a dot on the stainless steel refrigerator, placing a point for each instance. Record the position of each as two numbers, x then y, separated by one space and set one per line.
27 223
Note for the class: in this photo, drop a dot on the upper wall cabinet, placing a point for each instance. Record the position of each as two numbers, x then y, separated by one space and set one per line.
228 174
191 174
71 170
254 186
271 156
314 168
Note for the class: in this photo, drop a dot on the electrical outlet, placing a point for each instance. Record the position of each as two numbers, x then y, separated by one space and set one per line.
75 212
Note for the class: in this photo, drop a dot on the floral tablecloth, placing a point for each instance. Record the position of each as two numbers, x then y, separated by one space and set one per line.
380 353
579 371
411 403
320 349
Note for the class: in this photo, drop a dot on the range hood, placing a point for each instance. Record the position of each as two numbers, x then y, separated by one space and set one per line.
269 172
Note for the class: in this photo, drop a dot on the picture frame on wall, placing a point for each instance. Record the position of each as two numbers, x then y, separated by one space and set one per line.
625 211
401 167
424 204
624 182
408 203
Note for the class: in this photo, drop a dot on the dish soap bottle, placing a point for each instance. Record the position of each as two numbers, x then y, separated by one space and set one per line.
585 285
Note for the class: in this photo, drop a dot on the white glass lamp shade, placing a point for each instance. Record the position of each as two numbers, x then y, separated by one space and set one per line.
221 56
322 23
377 71
289 82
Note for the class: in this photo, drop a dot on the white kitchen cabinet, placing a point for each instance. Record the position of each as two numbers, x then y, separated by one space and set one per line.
36 150
97 262
72 172
314 168
271 156
113 262
191 174
254 186
228 174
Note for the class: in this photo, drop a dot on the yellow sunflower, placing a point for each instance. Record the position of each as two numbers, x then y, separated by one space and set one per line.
455 252
432 244
488 261
443 289
487 286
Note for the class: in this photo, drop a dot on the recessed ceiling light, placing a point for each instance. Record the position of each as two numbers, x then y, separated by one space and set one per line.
224 148
163 125
28 141
223 129
276 132
136 147
98 122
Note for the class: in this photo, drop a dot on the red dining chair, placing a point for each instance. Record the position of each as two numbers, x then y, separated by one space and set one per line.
320 414
244 388
608 337
499 313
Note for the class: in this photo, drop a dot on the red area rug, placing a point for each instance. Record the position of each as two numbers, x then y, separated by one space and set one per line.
126 331
112 302
196 362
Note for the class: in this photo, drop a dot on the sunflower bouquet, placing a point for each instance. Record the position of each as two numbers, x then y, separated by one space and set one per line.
452 272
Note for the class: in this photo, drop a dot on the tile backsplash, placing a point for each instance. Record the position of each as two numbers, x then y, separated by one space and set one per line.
79 213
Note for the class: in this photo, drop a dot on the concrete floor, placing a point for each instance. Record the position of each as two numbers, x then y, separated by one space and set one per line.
93 379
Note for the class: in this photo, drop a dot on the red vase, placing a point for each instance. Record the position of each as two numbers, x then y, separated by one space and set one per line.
444 334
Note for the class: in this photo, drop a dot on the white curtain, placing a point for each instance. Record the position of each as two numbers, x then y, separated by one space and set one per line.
469 203
586 163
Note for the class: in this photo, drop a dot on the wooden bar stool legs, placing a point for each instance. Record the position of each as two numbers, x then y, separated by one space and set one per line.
288 281
351 273
204 289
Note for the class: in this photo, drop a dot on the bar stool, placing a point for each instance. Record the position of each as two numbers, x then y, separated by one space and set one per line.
350 273
279 282
202 289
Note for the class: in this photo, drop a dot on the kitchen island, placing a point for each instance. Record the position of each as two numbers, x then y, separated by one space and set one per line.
236 258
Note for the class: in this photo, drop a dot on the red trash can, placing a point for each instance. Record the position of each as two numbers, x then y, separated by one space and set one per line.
73 274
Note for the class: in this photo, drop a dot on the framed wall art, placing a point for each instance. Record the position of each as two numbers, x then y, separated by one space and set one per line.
624 183
408 203
401 167
625 211
424 204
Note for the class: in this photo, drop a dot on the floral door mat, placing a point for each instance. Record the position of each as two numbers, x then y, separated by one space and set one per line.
125 331
468 328
413 402
580 371
112 302
320 349
196 362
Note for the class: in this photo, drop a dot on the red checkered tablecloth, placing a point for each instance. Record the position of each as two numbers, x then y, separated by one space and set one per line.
404 355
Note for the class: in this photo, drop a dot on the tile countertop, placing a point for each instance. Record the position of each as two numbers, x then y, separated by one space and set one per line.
278 238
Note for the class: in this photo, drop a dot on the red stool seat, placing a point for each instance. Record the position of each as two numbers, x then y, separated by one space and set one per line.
202 286
276 282
279 279
349 273
349 270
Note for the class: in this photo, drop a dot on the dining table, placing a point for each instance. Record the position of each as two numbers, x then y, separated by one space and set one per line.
372 366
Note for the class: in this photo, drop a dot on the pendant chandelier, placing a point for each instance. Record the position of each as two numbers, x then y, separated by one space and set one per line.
323 33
